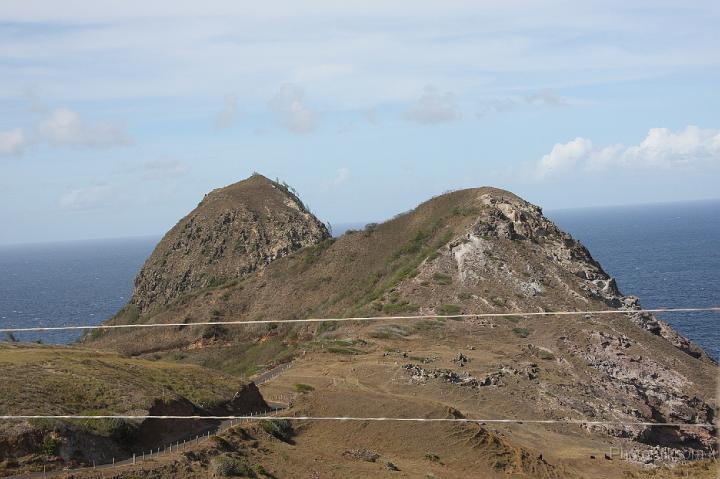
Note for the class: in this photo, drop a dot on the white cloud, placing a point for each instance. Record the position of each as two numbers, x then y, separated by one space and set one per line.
65 127
290 106
564 156
86 198
13 142
692 148
227 116
433 107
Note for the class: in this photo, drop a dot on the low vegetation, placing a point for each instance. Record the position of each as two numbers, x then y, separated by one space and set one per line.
448 309
227 466
279 428
521 332
303 388
65 380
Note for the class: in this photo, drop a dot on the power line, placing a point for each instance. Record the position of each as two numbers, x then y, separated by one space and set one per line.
580 422
364 318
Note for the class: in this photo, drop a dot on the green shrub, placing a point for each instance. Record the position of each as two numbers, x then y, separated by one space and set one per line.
466 211
389 331
279 428
303 388
226 466
51 445
313 253
547 355
327 326
448 309
442 279
413 245
499 302
341 350
521 332
400 307
221 443
216 281
214 332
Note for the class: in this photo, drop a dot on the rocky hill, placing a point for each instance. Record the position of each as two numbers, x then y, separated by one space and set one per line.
233 231
470 251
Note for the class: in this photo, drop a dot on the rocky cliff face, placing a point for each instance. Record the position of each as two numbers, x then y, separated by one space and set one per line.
234 230
532 262
511 218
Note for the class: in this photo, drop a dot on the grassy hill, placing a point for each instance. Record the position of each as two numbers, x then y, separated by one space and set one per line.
56 380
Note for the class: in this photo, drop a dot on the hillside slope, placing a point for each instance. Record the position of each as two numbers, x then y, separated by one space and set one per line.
469 251
233 231
54 380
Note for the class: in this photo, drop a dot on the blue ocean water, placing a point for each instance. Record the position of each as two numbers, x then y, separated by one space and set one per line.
69 283
668 255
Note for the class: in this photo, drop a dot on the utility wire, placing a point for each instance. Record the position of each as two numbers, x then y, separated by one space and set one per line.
365 318
580 422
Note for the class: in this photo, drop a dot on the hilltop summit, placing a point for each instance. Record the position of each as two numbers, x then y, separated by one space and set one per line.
233 231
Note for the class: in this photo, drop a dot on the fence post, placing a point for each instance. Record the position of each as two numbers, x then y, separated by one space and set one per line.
133 458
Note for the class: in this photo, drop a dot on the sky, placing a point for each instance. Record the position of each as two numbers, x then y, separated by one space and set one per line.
116 117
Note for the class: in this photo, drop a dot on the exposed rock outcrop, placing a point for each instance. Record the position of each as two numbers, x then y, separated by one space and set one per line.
509 217
233 231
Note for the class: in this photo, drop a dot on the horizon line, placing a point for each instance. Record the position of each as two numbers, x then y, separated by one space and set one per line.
349 223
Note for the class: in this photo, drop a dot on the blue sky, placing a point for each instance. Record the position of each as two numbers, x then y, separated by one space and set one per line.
118 116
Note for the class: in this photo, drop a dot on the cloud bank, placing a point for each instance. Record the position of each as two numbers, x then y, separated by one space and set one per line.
692 148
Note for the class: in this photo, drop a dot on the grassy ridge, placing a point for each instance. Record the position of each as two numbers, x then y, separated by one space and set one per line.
62 380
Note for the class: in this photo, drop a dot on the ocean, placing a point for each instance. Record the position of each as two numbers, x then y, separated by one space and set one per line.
668 255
